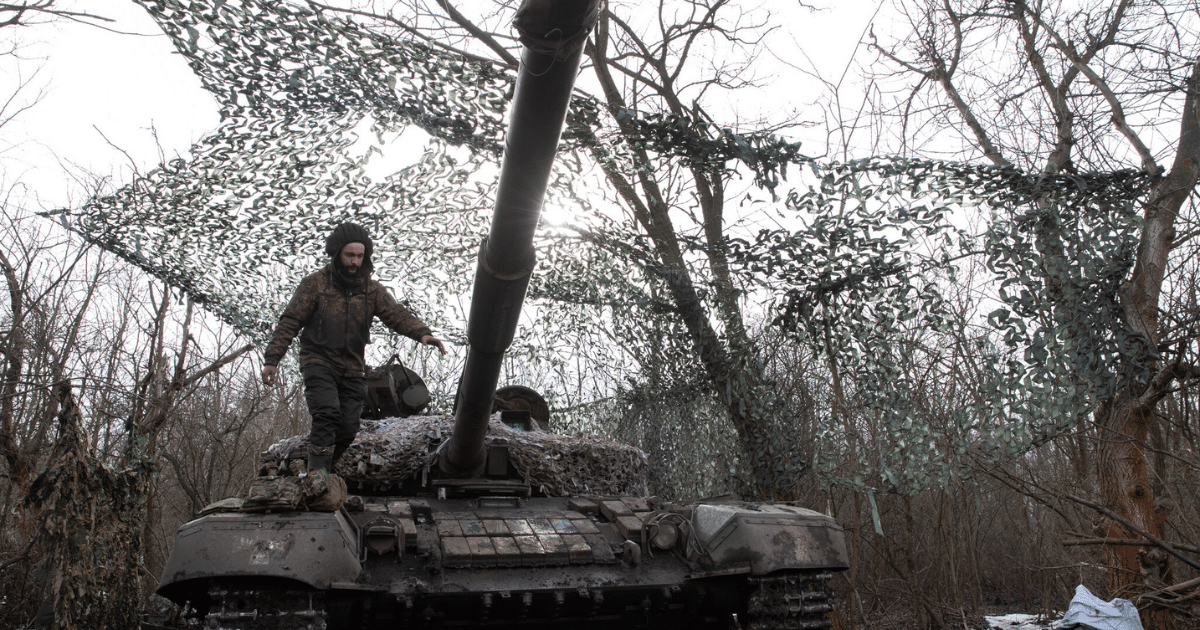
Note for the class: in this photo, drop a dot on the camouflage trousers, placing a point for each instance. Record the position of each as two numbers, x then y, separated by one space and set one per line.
335 403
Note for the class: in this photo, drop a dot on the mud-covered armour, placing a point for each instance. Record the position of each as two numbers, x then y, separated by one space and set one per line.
336 316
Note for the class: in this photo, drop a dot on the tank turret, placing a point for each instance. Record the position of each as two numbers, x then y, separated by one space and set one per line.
485 519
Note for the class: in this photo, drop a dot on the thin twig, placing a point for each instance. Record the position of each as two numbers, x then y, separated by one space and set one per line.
24 555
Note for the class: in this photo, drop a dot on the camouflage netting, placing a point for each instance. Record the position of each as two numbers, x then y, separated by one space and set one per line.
388 452
308 101
312 100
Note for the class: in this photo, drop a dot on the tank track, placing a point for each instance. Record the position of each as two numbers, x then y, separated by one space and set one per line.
239 608
789 601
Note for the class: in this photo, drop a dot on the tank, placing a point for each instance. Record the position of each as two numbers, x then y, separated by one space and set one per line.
484 519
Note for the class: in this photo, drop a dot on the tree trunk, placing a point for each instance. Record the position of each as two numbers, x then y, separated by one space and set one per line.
1125 488
1124 420
13 349
734 373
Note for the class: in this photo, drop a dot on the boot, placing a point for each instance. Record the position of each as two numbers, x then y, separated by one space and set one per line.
338 451
320 458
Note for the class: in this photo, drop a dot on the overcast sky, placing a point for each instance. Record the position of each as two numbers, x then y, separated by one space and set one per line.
101 90
113 100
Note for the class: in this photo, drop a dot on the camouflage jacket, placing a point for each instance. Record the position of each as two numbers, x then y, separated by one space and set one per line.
336 318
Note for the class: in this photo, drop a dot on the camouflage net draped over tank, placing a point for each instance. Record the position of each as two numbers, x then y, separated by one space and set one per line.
388 452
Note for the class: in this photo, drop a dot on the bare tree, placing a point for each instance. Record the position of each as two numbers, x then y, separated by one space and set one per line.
30 13
648 68
1048 87
43 324
75 315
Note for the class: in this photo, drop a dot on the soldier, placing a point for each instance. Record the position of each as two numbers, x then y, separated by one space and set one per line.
335 307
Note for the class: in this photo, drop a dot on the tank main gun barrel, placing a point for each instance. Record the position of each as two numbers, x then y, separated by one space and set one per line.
553 33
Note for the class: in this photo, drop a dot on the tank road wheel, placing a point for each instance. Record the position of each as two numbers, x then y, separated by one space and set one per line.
242 608
790 600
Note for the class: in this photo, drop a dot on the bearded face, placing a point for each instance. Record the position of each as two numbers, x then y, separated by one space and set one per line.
351 258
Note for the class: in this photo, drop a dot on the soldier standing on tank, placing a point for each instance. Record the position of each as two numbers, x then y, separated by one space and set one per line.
335 307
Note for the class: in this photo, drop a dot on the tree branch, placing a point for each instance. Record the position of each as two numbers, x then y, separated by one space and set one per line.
218 364
1080 542
1135 529
506 58
1080 62
478 33
1160 385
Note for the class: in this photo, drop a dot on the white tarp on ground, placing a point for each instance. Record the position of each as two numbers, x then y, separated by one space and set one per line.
1017 621
1088 611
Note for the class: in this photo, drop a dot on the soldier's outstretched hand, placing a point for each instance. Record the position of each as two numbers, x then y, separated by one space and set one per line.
269 373
430 340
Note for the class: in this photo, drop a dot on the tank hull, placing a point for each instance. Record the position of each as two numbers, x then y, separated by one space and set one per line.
404 562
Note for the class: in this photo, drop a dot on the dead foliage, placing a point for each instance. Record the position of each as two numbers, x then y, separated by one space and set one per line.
90 535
